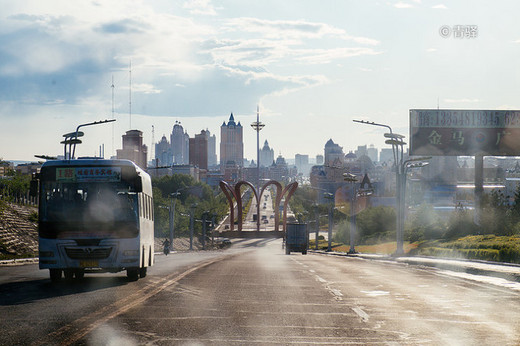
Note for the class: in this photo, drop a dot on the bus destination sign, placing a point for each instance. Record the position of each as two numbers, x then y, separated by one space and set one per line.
452 132
88 174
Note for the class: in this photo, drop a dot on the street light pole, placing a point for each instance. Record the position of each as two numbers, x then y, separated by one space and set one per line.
317 212
406 165
397 142
351 178
192 215
330 197
257 126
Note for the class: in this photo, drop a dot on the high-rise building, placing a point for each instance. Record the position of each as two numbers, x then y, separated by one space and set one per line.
163 152
231 143
212 149
133 148
319 159
386 156
372 153
266 155
361 150
179 141
302 163
333 153
199 150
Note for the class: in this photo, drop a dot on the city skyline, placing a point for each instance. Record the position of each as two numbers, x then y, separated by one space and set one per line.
311 67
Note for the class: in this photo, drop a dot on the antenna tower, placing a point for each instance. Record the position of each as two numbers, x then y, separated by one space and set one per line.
113 117
152 146
130 96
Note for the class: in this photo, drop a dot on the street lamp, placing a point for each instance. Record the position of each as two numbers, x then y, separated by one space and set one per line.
351 178
329 196
397 142
172 214
192 215
71 139
416 162
257 126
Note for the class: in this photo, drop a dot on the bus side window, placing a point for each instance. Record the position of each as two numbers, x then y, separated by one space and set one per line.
153 211
147 207
140 204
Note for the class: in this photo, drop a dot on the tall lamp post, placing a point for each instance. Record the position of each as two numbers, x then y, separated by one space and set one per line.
330 197
257 126
351 178
397 142
416 162
192 221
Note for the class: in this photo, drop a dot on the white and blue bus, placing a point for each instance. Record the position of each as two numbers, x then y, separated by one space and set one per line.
95 215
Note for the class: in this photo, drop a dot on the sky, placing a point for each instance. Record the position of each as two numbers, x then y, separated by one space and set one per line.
310 66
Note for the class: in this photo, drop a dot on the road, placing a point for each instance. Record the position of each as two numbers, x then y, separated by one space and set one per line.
254 294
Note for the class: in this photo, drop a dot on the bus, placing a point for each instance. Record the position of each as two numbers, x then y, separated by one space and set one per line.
95 215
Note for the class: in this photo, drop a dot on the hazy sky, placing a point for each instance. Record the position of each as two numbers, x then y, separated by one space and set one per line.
311 66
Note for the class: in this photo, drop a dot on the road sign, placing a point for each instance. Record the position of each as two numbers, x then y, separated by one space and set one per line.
452 132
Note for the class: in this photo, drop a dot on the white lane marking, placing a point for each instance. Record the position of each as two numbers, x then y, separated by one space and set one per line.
364 316
312 271
376 293
320 279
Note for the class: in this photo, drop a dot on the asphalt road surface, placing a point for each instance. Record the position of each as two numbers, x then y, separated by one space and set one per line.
253 294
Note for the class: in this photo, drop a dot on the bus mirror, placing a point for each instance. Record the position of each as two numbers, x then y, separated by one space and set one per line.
33 188
138 185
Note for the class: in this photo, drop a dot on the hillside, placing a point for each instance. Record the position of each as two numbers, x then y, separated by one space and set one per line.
18 234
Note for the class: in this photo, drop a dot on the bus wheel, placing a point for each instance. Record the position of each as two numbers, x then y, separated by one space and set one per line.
79 274
69 274
55 274
142 272
132 274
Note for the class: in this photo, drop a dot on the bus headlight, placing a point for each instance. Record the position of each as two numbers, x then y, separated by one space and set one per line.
131 253
46 254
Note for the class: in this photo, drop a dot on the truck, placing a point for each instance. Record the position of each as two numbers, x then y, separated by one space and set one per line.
296 238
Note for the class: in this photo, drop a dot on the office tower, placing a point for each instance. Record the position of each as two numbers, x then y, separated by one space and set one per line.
179 141
199 150
133 148
231 143
266 155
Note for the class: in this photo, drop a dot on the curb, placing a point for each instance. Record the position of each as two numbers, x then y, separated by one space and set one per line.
507 271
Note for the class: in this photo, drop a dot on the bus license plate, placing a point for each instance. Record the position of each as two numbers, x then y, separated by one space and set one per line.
88 264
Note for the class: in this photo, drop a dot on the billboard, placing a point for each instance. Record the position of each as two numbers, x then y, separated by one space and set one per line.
454 132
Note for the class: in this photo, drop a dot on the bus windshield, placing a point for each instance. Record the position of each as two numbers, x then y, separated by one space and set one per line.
88 208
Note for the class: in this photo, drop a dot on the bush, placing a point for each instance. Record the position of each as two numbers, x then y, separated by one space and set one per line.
424 224
461 224
375 224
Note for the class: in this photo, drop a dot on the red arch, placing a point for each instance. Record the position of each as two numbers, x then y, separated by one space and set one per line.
230 193
290 189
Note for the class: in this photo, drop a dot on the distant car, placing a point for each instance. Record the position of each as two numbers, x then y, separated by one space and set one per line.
266 221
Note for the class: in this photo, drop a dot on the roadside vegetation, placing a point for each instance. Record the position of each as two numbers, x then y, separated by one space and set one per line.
193 195
428 232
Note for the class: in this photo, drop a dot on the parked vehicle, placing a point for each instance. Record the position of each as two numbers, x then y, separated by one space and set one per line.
296 238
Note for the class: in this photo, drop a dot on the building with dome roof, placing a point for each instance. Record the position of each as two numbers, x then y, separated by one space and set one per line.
333 153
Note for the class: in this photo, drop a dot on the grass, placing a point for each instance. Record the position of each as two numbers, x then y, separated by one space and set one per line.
482 247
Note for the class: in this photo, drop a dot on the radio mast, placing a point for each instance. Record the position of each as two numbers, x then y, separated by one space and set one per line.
152 158
130 96
113 117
